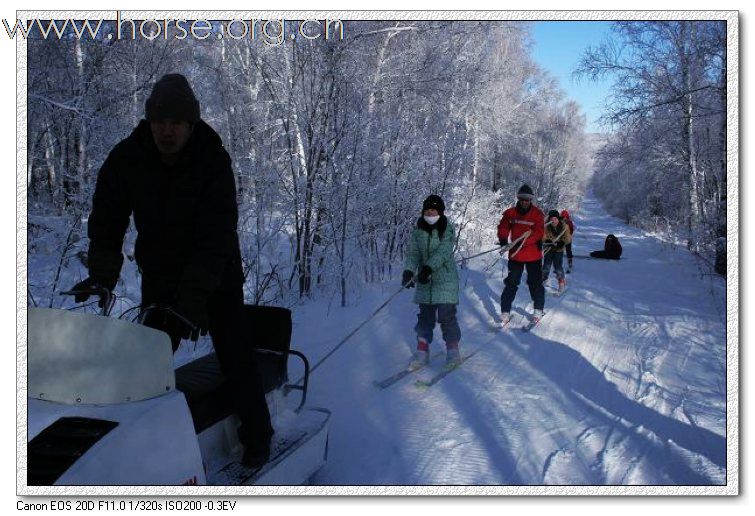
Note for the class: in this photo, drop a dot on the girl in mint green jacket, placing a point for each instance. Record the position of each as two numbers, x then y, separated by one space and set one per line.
431 252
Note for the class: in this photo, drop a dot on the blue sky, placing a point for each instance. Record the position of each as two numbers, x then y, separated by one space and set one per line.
558 46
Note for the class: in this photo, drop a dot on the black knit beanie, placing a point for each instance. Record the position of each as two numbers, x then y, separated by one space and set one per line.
172 98
554 213
434 202
525 192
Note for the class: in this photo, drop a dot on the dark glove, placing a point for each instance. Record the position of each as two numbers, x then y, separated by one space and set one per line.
87 287
407 279
193 307
503 242
425 273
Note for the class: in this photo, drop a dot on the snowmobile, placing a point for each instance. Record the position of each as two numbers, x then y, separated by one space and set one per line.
107 407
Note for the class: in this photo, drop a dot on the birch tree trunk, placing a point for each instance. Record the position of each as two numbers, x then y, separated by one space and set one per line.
688 130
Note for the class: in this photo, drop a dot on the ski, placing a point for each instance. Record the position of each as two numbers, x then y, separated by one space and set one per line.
550 307
531 324
387 382
556 292
497 327
506 328
429 382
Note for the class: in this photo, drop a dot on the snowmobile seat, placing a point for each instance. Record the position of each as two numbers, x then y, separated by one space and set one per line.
267 330
206 391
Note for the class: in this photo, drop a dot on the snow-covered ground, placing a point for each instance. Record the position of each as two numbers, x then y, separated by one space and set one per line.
624 382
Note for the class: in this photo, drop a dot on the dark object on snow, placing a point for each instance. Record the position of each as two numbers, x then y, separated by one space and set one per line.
612 250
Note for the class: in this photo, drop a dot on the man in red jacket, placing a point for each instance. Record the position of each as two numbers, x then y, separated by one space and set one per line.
516 221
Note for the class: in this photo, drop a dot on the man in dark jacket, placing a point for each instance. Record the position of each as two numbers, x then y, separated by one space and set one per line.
173 174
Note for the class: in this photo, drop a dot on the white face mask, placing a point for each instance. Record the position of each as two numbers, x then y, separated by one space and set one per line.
432 220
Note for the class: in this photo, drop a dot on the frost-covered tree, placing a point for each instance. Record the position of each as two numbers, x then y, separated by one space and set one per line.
665 165
335 143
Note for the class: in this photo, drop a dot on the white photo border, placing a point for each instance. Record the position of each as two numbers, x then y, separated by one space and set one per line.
732 281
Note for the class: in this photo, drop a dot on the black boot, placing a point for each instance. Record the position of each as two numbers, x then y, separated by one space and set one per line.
256 456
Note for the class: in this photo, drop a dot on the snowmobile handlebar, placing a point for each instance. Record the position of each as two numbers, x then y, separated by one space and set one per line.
106 297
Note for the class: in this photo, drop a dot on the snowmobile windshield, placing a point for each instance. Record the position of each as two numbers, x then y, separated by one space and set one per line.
82 358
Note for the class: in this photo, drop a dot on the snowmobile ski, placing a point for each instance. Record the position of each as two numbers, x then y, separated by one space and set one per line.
387 382
447 369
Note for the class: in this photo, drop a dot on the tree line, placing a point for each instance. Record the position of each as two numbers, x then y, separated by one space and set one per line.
334 143
664 165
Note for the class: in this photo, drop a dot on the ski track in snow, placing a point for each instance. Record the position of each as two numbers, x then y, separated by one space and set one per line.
622 383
